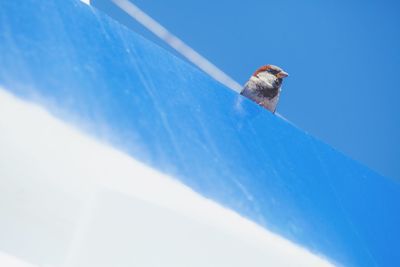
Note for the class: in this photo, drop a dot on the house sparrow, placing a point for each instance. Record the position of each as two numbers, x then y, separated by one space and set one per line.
264 86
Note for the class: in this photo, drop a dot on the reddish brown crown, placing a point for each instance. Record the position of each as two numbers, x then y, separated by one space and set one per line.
261 69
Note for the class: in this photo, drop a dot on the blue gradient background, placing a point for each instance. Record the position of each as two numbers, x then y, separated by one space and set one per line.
343 58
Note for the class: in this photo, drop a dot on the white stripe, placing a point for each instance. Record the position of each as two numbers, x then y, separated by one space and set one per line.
87 2
185 50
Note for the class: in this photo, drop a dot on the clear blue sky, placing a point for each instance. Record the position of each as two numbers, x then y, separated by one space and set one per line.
343 58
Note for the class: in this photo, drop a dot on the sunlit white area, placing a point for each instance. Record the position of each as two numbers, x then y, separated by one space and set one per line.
69 200
12 261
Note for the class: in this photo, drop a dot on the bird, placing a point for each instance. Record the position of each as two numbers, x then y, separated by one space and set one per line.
264 86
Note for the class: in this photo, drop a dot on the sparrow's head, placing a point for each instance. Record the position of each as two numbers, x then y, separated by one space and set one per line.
271 70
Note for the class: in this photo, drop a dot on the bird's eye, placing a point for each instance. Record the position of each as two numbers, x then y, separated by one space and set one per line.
274 72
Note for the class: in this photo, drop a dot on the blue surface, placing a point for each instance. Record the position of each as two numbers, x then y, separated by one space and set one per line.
89 70
343 58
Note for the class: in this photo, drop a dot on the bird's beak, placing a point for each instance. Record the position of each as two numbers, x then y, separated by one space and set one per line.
282 74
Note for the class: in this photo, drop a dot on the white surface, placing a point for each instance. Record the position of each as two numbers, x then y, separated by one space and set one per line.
11 261
68 200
